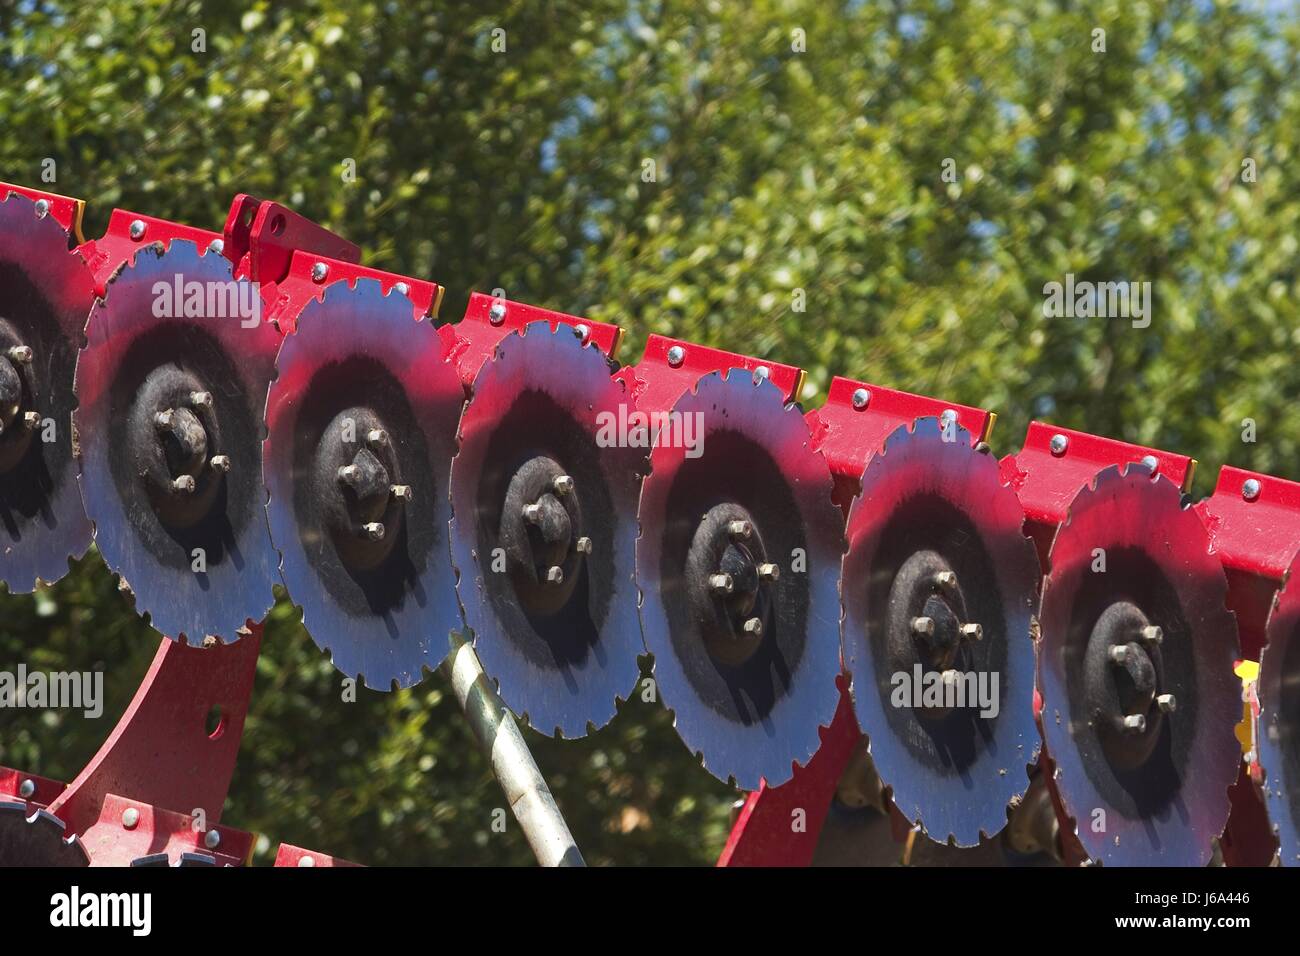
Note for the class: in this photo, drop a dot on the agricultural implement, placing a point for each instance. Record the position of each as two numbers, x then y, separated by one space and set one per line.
903 650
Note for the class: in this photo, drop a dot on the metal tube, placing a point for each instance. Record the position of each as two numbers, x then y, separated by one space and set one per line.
512 763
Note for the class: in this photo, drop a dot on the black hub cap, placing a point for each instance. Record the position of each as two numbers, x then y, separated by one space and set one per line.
357 480
541 532
19 419
729 583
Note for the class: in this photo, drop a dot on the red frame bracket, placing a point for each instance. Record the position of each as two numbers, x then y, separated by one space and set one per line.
289 855
287 298
656 383
160 752
265 246
65 210
117 246
472 340
153 830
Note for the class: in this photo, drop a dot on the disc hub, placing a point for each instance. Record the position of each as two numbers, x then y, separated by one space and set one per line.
929 623
729 583
1123 683
357 478
175 437
541 532
19 420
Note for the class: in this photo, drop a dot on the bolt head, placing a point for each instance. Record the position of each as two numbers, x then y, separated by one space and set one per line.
164 419
136 229
1059 444
768 572
42 208
21 353
1152 634
676 355
217 245
761 373
972 632
130 817
861 398
212 839
923 625
401 492
1250 489
562 484
1167 703
583 545
201 399
306 861
27 788
532 513
948 416
349 473
377 436
185 483
1119 654
319 272
32 419
402 287
945 579
1135 724
374 530
220 463
555 574
721 583
582 331
754 627
497 314
1152 462
739 529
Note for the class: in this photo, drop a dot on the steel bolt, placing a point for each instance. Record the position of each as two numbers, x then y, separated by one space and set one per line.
721 583
306 861
555 574
374 530
562 484
950 677
201 399
349 473
768 572
761 373
402 287
1058 444
1167 703
42 208
130 817
21 354
319 272
583 332
739 529
401 492
583 545
1250 489
1152 462
497 314
923 625
212 839
217 245
948 416
1135 724
220 462
137 229
676 355
1153 634
184 483
861 398
377 436
164 419
972 632
32 419
532 514
754 627
945 579
1119 654
27 788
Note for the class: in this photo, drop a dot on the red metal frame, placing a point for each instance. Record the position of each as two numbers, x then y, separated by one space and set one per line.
289 855
65 210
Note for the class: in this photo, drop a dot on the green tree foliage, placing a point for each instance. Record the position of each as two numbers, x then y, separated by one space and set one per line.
764 175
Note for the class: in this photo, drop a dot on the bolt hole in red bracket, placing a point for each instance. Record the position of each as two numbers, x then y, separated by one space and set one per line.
848 430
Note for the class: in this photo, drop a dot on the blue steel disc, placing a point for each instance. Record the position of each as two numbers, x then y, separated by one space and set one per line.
359 362
1279 720
749 708
45 294
1129 555
931 506
172 326
562 653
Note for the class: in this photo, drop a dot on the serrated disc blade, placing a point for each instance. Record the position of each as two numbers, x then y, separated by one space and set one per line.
45 294
562 652
1156 795
38 840
359 363
1279 721
751 707
172 325
930 508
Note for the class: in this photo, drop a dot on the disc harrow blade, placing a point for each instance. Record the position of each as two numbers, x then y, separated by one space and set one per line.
939 588
171 385
544 529
1136 674
736 529
46 290
361 425
1279 724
